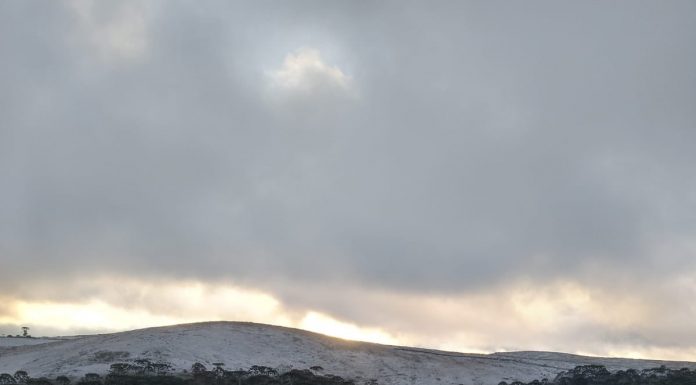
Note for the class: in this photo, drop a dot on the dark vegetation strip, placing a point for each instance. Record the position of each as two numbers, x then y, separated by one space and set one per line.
144 372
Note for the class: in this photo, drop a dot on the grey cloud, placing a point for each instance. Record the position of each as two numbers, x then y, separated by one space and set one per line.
490 142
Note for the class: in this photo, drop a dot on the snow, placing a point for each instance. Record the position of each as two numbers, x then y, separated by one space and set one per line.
21 341
241 345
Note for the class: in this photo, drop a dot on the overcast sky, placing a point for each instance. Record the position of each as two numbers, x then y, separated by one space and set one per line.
474 176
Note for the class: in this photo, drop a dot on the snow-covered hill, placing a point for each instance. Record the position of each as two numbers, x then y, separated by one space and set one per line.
21 341
241 345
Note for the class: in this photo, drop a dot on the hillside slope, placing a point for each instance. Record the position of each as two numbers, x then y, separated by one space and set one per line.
241 345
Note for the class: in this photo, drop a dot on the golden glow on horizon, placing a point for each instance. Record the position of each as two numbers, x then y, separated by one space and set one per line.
100 316
206 303
135 304
479 323
320 323
94 315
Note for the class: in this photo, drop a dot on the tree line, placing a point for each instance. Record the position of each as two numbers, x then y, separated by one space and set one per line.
145 372
599 375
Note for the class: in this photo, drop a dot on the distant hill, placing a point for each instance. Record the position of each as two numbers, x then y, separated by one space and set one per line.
242 345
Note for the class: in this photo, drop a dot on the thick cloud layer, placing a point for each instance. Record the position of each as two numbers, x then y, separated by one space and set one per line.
442 149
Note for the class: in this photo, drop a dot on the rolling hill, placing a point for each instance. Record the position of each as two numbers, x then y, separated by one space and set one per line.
241 345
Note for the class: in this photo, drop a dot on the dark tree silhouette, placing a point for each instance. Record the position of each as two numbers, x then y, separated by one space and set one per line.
219 371
197 369
21 376
7 379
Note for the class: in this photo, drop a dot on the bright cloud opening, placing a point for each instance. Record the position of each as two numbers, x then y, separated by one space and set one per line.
305 70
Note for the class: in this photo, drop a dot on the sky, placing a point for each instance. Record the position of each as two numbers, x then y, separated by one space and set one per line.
473 176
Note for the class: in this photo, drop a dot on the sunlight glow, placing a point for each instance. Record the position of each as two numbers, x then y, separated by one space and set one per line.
324 324
466 323
138 304
93 315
